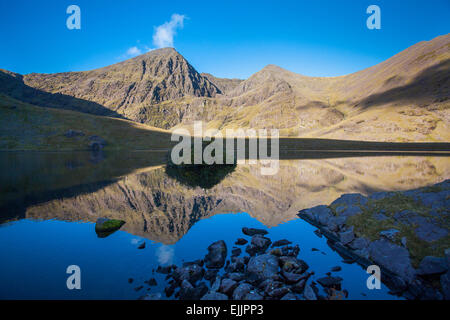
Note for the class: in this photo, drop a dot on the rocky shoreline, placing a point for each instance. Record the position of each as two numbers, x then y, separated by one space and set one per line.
404 233
270 271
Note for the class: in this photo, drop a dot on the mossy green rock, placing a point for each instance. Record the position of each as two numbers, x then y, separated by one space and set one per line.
105 226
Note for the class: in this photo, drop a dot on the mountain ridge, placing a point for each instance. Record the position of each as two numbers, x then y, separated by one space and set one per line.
404 98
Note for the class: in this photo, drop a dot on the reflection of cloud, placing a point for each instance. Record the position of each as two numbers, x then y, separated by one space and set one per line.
165 255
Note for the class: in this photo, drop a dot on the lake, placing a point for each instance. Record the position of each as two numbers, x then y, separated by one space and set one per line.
49 203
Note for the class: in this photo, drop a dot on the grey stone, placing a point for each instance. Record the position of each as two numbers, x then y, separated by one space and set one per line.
350 211
292 277
189 292
330 282
346 237
241 291
336 223
236 252
277 293
432 265
389 234
151 296
364 252
253 295
260 243
227 286
320 214
308 293
380 216
350 199
393 257
216 285
217 253
445 284
430 232
359 243
263 267
191 273
292 264
289 296
214 296
236 276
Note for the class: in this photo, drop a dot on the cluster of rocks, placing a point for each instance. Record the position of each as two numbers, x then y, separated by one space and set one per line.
430 280
270 271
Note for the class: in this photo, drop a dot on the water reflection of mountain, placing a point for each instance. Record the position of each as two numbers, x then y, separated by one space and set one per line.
163 209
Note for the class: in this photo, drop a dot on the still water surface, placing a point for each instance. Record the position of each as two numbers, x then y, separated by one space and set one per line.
49 203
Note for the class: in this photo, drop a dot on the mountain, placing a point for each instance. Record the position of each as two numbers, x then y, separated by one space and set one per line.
405 98
138 89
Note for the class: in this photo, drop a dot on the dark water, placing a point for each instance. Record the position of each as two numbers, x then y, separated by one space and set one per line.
50 201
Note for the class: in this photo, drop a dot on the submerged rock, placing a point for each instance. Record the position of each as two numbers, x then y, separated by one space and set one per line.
252 231
241 241
330 282
280 243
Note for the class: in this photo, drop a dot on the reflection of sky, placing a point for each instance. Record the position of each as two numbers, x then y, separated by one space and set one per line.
34 256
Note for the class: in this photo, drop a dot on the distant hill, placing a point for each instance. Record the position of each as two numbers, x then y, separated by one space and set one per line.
405 98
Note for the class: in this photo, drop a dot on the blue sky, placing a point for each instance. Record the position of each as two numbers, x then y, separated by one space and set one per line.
225 38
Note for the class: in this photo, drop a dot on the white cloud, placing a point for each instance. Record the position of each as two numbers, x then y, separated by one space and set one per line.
163 35
165 255
133 51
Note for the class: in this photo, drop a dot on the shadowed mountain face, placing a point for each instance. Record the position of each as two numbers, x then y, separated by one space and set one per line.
405 98
162 208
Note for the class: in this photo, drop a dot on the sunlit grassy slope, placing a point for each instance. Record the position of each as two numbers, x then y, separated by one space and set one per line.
27 127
